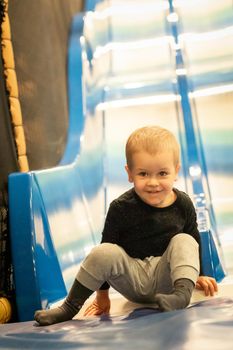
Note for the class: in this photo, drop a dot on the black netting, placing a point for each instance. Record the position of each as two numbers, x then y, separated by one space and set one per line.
8 158
6 280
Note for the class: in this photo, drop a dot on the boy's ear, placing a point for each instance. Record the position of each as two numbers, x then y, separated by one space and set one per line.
129 173
177 170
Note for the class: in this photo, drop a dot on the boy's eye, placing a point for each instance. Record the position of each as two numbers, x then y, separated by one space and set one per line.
163 173
143 173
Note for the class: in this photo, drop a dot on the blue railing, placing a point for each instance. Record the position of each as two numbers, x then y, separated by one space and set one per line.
195 159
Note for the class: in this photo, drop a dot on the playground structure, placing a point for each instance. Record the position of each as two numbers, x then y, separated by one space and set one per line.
117 76
122 76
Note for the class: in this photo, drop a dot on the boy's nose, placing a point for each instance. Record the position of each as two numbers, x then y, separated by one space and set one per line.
153 181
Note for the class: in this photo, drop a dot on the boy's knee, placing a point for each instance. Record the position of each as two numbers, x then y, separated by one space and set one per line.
183 238
105 252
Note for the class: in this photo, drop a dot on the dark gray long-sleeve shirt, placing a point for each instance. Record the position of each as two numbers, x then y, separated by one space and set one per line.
142 230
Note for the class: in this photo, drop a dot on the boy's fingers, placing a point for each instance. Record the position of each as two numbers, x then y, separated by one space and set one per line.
93 310
208 284
206 288
202 285
91 313
88 311
214 283
211 288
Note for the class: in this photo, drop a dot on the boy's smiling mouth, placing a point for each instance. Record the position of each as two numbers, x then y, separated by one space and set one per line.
154 191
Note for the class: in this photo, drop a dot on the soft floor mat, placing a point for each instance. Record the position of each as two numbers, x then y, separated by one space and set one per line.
206 325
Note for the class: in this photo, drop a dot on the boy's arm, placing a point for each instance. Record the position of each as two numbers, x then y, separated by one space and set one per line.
208 284
100 305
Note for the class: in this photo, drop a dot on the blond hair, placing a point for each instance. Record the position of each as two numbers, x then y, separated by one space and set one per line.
151 139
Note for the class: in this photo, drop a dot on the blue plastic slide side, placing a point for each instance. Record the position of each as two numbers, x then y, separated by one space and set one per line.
37 273
51 231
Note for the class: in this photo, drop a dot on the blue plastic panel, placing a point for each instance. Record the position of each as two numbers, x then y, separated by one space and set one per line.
51 227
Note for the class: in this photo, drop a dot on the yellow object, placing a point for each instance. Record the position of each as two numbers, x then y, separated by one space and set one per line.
5 310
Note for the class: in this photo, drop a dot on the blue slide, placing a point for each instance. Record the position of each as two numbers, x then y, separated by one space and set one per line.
123 76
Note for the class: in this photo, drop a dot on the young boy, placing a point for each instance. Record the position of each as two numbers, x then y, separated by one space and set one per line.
150 242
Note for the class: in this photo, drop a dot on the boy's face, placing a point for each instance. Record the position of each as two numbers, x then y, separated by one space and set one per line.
153 177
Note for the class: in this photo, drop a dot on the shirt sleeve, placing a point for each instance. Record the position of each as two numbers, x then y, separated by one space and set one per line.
113 224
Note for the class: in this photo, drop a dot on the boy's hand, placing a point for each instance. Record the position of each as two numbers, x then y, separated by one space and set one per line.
100 306
208 284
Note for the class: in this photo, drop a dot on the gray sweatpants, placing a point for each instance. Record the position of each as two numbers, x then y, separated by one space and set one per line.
139 280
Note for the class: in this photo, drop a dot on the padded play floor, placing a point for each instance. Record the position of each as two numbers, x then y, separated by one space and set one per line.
206 324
